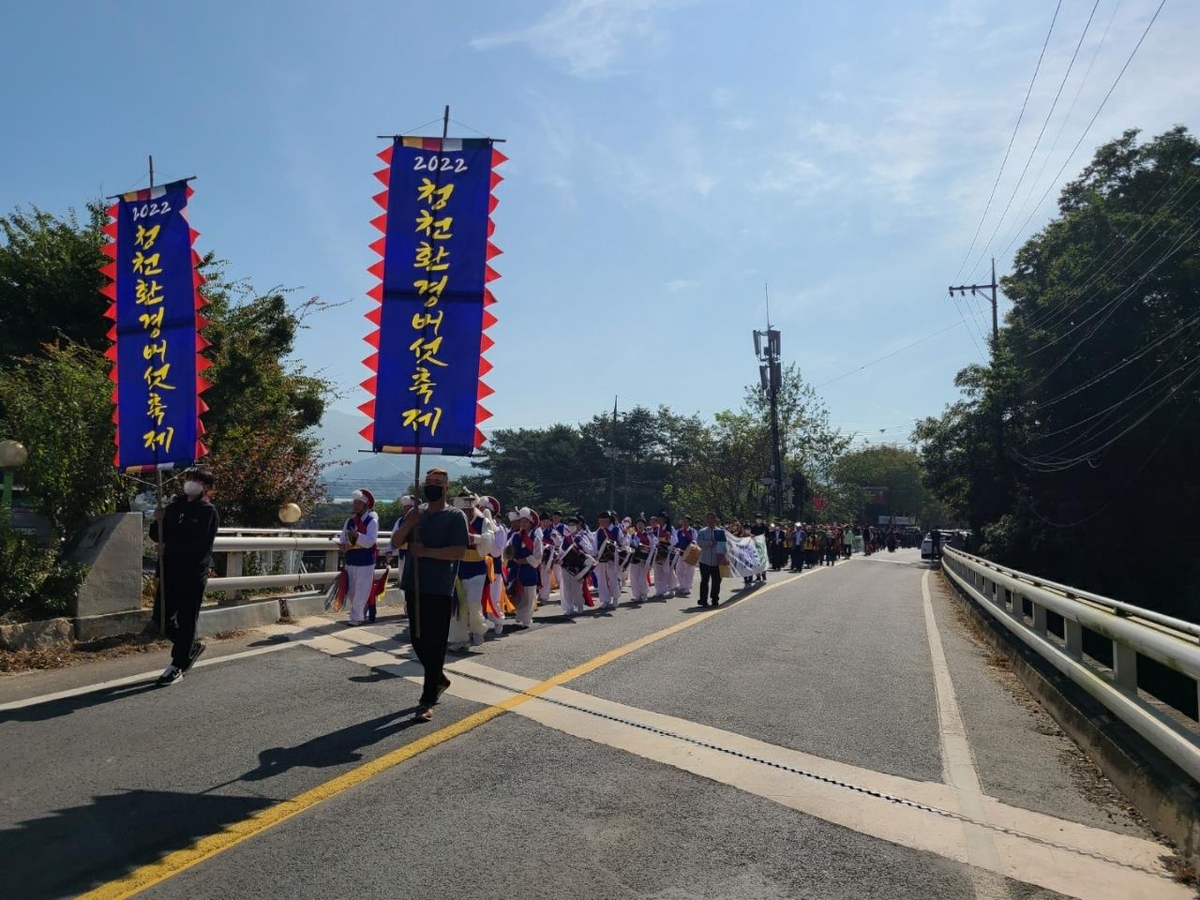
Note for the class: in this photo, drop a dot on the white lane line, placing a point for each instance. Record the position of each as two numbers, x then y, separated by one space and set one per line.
139 679
1072 859
958 764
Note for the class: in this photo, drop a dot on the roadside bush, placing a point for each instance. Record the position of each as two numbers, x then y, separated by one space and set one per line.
34 582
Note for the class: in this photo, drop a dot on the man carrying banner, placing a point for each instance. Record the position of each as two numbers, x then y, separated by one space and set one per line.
437 539
186 529
712 541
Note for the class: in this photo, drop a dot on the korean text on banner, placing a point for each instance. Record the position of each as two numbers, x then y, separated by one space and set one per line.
156 362
433 297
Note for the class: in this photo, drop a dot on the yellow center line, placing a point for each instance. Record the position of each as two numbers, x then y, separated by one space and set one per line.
172 864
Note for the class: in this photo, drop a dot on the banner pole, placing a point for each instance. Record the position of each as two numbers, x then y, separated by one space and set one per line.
417 472
162 572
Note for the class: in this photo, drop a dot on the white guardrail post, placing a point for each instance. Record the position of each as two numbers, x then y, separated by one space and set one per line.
1133 632
235 543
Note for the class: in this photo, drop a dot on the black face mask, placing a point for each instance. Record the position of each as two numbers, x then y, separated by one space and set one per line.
434 492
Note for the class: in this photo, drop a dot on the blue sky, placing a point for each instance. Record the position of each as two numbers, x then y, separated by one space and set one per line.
666 159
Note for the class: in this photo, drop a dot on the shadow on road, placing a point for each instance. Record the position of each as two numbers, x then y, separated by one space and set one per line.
78 848
42 712
338 748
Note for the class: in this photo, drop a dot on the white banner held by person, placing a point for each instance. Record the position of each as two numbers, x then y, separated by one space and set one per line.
747 555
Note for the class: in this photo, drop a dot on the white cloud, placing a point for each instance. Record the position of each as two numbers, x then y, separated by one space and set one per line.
588 36
675 285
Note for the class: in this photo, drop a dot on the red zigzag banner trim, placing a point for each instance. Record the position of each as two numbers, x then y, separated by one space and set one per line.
375 316
109 292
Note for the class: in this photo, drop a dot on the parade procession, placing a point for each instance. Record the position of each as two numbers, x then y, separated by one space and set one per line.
599 450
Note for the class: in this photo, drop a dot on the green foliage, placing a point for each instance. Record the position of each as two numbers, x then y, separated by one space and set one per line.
570 468
58 405
50 281
1083 430
34 581
896 468
262 406
652 460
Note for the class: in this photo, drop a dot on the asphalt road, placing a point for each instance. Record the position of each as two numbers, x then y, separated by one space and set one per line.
798 742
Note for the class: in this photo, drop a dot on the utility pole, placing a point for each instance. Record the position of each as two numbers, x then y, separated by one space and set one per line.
771 375
992 287
612 461
975 289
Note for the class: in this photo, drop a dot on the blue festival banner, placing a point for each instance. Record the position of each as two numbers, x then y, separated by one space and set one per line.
433 297
156 361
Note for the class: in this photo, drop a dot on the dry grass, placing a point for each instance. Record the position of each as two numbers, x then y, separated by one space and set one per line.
60 657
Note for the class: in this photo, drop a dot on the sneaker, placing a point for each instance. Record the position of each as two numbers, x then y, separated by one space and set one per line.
172 674
477 640
198 648
458 649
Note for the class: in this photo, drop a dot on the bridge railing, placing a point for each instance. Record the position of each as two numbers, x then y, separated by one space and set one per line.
1022 603
284 559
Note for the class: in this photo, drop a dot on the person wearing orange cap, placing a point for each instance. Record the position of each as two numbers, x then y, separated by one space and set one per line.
357 543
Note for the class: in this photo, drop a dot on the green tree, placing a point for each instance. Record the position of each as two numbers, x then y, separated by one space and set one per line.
808 442
724 471
1086 417
262 405
58 405
896 468
50 281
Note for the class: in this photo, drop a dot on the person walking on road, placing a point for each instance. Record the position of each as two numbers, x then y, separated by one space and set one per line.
357 543
185 530
437 539
713 547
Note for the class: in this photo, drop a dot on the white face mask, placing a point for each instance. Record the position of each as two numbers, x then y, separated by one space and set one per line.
571 529
463 503
193 488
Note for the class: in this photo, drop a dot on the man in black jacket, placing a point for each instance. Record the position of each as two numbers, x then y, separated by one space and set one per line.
185 530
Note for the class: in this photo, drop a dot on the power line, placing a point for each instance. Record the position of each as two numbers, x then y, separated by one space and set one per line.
1063 310
1037 143
1063 127
1112 306
1125 483
1013 138
1129 360
893 353
1092 122
1048 465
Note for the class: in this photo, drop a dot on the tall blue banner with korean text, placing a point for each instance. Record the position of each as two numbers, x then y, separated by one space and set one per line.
155 310
432 319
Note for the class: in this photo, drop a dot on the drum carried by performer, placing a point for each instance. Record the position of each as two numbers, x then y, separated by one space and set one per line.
551 551
640 543
664 558
577 565
525 543
685 568
609 538
468 625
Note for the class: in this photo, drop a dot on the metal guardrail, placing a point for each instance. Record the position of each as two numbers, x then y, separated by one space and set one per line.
1134 633
236 543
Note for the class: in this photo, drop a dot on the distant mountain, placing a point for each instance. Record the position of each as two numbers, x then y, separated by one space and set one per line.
386 475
